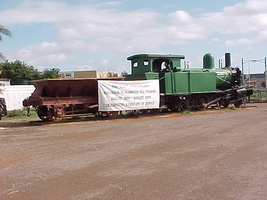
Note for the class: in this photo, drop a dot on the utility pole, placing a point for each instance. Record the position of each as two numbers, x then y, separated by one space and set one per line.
243 73
265 71
254 61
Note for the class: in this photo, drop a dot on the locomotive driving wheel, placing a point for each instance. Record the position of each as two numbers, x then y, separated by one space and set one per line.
224 103
238 103
189 103
179 104
173 104
200 102
183 105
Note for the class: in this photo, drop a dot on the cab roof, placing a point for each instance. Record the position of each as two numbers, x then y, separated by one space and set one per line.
155 56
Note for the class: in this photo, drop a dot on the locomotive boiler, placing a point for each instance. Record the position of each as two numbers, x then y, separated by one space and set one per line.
180 88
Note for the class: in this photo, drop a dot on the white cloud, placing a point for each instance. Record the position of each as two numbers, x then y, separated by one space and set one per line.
181 16
103 28
239 42
41 55
263 35
243 17
105 62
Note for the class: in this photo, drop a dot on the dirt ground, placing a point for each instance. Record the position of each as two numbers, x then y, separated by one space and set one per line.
206 155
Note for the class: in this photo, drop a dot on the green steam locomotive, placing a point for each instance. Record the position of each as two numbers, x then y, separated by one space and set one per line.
196 88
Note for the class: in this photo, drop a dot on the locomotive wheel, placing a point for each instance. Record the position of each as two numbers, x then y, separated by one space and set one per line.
183 105
238 103
224 103
173 104
174 108
200 101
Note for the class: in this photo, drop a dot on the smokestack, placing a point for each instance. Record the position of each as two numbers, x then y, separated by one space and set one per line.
227 60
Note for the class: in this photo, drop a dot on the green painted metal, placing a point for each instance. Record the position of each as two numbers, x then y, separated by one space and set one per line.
224 80
187 82
202 82
144 76
208 61
143 63
174 80
181 83
166 83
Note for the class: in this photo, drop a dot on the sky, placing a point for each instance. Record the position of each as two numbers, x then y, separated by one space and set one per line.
75 35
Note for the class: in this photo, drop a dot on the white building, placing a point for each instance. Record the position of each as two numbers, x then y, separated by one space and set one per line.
4 81
88 74
15 94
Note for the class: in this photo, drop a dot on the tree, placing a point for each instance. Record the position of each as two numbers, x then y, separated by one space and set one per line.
124 73
3 31
51 73
18 72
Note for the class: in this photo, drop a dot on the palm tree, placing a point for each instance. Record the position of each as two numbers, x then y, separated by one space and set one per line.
3 31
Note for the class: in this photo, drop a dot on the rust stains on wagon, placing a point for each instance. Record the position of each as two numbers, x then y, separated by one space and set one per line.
55 99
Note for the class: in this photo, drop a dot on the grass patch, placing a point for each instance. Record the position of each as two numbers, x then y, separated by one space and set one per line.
186 112
234 108
17 114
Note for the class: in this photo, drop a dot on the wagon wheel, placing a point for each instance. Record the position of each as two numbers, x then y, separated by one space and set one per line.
59 113
112 114
42 113
55 114
144 111
56 119
154 111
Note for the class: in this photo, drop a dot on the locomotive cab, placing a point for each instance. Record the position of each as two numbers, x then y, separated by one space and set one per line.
149 66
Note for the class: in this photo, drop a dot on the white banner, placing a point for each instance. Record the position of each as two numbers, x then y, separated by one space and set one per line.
128 95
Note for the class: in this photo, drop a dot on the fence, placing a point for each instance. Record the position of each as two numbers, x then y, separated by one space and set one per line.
259 95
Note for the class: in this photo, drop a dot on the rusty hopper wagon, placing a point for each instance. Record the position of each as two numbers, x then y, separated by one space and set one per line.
58 98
